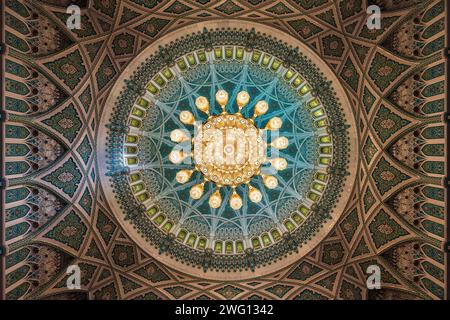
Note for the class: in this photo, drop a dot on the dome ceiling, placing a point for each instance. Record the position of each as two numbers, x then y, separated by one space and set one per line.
112 133
170 122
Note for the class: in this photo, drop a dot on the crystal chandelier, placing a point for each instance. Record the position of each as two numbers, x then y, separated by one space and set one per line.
228 150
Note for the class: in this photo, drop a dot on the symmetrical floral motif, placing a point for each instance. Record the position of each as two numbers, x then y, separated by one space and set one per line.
57 83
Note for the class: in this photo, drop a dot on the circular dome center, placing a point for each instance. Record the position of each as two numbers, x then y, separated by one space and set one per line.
225 156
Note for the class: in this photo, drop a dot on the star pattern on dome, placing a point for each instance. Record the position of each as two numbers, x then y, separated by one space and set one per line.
394 78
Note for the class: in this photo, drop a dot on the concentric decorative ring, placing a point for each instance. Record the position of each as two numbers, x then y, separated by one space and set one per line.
192 205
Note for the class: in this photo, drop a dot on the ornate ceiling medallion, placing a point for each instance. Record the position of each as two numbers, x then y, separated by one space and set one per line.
224 155
229 150
107 163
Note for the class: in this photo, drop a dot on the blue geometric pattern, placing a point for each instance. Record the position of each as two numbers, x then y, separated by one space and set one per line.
284 102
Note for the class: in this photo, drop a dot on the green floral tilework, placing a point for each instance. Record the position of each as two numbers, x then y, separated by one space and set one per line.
85 149
279 290
105 226
385 229
178 8
229 292
384 71
308 294
350 74
153 26
304 28
105 73
70 69
229 7
350 224
387 123
67 177
304 271
66 122
386 176
333 253
70 231
152 273
86 201
123 44
178 291
123 255
369 150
